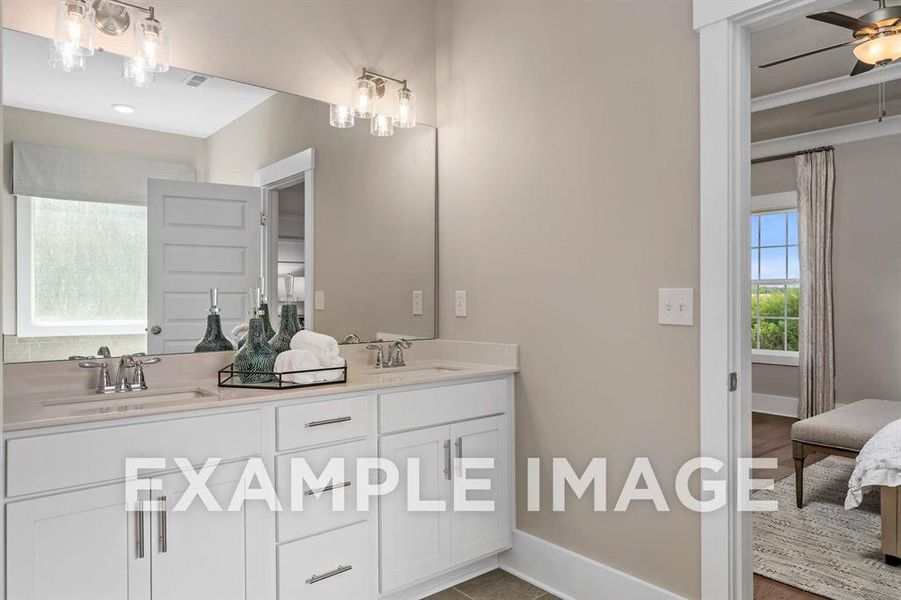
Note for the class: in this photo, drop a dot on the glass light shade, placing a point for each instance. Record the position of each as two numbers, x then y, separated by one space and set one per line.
134 72
364 97
152 46
74 33
405 109
65 60
879 49
381 126
340 116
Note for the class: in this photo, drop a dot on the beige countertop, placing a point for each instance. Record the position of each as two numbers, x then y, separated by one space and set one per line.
50 409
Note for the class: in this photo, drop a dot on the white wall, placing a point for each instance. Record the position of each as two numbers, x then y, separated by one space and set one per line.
315 48
569 192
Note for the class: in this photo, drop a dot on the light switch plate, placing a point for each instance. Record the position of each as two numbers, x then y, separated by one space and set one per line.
319 300
460 303
675 306
417 302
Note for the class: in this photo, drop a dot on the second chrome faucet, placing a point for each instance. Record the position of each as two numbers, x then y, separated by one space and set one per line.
395 354
123 383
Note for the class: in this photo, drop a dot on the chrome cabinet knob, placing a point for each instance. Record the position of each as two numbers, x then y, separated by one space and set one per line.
156 330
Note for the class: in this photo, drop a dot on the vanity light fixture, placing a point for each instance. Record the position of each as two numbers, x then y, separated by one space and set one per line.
341 116
74 37
368 88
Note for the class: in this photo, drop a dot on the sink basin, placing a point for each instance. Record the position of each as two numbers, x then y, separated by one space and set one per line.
170 397
398 373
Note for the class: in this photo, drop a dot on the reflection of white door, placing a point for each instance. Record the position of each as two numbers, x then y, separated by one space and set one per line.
200 236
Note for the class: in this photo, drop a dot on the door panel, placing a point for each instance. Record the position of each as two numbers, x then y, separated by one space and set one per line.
200 554
78 546
415 545
200 235
474 534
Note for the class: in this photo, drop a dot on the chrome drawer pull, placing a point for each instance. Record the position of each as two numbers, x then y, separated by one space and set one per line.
328 421
139 515
164 534
328 488
447 460
338 571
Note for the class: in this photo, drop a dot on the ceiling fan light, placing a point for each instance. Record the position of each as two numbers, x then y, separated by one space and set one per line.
879 50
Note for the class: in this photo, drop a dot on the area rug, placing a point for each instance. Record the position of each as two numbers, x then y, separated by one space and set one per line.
823 548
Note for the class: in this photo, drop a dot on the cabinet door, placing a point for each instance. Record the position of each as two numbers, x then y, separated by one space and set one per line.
205 555
475 534
80 546
415 545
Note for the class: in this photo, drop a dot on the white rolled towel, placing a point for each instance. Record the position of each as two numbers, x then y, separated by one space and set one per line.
323 346
239 331
303 360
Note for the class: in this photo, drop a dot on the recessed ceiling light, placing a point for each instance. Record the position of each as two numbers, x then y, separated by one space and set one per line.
125 109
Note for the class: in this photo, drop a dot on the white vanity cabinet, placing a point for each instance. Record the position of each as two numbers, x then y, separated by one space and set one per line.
417 544
69 536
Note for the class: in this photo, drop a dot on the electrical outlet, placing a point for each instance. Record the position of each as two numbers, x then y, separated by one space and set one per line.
675 306
460 303
417 302
319 300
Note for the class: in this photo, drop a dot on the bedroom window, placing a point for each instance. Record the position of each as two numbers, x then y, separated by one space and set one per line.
775 286
68 284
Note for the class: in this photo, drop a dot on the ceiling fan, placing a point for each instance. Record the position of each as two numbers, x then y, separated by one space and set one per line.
876 37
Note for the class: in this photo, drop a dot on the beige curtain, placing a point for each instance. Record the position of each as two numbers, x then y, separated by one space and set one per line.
816 183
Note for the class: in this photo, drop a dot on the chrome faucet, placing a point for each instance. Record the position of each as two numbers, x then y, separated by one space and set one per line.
379 355
396 353
104 384
353 338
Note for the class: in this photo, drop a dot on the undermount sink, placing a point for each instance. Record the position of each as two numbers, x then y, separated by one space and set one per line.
423 370
169 397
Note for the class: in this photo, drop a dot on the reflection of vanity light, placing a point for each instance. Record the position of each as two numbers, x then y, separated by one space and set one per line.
125 109
341 116
381 126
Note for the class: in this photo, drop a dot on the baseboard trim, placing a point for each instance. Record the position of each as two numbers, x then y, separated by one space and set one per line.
784 406
571 576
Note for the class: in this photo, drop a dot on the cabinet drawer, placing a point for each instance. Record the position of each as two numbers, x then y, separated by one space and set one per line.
330 566
62 460
317 514
322 422
432 406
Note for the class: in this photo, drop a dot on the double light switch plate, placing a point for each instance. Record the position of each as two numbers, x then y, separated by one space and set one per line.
675 306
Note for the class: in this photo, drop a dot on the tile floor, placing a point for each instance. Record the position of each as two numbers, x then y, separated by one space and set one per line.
494 585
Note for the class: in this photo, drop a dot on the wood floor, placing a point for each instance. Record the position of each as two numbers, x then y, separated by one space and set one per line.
771 437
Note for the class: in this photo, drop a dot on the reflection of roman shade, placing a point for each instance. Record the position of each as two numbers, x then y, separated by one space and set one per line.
51 172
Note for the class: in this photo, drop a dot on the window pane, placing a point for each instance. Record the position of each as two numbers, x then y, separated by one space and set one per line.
792 328
771 301
772 334
772 263
755 264
792 301
754 300
772 229
76 277
755 230
794 266
793 227
754 334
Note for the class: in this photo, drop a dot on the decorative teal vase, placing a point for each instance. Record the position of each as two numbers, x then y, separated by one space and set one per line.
267 322
256 356
281 341
213 340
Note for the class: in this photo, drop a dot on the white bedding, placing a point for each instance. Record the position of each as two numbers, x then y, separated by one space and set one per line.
879 463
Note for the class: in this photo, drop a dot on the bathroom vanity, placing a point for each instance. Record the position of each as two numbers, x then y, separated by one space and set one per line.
68 534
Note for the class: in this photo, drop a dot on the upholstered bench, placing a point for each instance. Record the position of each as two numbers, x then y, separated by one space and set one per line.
841 432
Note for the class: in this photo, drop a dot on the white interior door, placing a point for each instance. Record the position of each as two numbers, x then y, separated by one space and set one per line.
80 546
206 555
476 533
200 236
415 545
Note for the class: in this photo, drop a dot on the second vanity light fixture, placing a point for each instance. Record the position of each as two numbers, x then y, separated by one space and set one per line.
73 40
367 90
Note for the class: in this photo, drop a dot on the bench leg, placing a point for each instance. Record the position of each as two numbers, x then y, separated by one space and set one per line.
798 454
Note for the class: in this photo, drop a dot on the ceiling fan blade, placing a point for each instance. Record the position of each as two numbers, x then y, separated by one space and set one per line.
810 53
840 20
861 67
